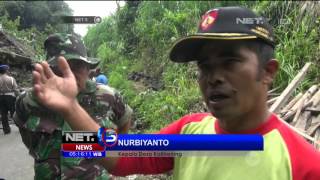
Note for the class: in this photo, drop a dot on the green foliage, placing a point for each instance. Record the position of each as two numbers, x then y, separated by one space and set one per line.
297 40
104 32
32 22
37 14
11 27
106 53
138 37
159 108
125 19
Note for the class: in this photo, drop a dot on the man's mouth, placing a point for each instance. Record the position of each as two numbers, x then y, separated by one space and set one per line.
218 97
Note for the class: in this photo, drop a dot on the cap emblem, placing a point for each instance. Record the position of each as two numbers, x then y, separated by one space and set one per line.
208 19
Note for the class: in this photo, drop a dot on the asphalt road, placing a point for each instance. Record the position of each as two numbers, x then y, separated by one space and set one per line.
15 162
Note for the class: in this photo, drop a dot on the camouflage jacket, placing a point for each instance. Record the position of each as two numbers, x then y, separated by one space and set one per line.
41 131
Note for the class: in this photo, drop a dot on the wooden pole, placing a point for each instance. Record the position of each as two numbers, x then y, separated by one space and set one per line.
288 91
292 102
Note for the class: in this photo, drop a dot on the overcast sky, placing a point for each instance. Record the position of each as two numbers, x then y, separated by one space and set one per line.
91 8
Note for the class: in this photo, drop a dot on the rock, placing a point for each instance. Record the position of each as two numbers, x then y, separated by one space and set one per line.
150 82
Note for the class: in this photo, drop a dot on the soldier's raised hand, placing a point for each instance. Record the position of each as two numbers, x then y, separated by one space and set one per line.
54 92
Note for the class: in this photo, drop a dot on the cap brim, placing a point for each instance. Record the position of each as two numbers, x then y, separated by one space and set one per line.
187 49
93 62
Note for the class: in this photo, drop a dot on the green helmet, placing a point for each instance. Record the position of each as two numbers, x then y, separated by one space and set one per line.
69 46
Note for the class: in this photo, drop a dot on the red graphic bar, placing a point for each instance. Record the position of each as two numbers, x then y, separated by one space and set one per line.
82 147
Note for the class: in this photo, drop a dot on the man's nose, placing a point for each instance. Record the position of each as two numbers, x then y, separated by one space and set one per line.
216 77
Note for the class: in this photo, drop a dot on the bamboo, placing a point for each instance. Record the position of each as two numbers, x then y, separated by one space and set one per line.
302 103
315 124
315 99
293 110
292 102
313 129
317 136
313 110
288 115
272 100
309 118
315 119
273 95
288 91
306 95
303 134
295 120
273 90
304 121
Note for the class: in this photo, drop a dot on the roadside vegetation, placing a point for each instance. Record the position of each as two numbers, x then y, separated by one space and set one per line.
138 37
133 45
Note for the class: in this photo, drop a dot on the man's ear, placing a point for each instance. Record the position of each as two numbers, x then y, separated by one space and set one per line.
270 70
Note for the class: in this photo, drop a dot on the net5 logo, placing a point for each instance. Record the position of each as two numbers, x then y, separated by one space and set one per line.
107 137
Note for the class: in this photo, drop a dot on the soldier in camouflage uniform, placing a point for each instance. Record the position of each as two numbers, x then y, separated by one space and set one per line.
41 128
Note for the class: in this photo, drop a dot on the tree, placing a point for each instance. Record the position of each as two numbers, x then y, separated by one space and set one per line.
126 18
38 14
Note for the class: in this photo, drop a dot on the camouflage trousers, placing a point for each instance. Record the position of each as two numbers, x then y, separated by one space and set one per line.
50 169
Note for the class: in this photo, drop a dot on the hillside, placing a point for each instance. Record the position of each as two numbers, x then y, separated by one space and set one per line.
133 45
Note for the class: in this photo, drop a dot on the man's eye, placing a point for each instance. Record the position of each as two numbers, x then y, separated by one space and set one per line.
202 75
202 59
204 67
231 61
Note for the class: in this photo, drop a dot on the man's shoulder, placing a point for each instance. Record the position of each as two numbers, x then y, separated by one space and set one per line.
33 116
105 89
107 94
26 102
294 138
5 76
107 104
102 96
194 117
302 154
26 99
177 126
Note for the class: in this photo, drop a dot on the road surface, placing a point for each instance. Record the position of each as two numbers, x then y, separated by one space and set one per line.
15 162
